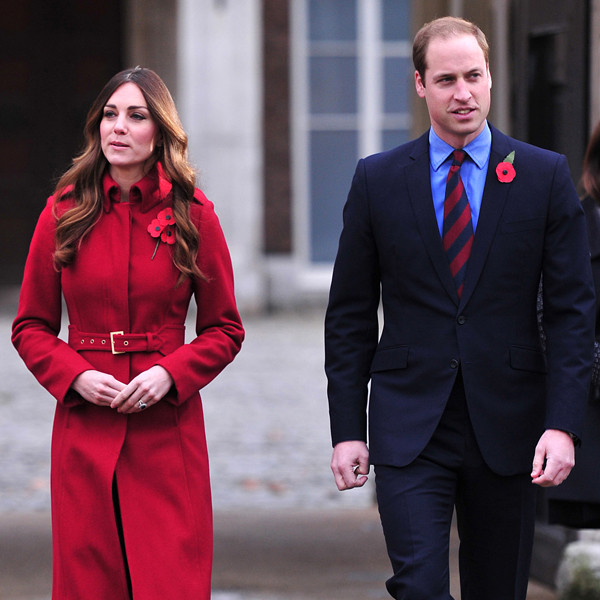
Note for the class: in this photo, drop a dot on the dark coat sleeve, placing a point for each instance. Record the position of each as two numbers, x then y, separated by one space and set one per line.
351 323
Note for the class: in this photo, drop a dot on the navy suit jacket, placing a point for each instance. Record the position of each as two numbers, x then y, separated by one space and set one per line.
391 249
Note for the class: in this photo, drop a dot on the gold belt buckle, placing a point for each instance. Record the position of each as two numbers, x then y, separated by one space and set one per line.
112 342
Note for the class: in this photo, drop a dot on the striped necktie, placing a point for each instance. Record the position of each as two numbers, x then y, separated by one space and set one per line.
457 231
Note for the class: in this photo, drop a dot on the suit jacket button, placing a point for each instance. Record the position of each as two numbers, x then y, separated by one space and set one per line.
461 320
454 363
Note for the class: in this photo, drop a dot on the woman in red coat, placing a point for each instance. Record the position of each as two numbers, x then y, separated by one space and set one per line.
127 240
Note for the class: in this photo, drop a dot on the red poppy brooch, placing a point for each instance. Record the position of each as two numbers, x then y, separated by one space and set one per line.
163 228
505 170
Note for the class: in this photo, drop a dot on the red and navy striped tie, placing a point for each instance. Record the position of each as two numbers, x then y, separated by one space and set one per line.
457 231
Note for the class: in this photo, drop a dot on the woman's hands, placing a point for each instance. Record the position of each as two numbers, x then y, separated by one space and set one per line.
148 388
97 387
102 389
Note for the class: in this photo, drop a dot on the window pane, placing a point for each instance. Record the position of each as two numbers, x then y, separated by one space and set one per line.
333 86
398 84
394 137
332 20
396 20
333 156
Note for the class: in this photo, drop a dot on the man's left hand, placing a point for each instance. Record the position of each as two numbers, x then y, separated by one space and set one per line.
554 458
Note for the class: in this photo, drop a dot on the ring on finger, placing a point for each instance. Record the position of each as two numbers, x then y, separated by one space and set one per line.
142 405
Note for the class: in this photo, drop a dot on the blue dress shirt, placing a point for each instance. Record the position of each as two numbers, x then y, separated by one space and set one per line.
473 171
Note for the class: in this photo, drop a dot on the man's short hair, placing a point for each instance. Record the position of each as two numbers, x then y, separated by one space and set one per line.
445 27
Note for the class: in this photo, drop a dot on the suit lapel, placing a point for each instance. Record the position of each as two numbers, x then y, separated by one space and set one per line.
418 180
494 198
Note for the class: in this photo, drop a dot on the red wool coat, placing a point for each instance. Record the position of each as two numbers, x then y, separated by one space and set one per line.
158 456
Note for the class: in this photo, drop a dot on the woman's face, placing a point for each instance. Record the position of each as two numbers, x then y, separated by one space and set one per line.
128 133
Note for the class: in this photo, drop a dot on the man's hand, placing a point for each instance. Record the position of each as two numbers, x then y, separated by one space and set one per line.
557 451
350 464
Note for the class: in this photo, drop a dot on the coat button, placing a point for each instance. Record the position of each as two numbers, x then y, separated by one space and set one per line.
454 363
461 320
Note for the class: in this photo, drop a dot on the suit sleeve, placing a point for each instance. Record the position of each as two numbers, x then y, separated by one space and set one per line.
37 324
351 323
219 330
569 306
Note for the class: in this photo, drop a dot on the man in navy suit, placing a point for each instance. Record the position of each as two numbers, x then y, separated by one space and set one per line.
466 410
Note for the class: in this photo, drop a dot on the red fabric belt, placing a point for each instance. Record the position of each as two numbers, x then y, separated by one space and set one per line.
165 340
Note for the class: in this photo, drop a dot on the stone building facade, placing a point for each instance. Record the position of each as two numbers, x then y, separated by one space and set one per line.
279 98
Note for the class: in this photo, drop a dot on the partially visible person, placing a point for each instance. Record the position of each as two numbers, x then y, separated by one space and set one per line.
128 240
576 503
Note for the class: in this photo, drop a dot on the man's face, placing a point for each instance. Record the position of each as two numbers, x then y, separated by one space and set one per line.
456 88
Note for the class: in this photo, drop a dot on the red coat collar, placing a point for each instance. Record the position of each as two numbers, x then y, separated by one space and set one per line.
150 191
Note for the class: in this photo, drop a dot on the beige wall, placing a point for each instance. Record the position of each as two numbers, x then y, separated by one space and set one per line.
151 39
208 52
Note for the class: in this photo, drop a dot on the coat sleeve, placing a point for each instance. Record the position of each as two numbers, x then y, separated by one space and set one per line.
351 322
219 330
37 324
569 306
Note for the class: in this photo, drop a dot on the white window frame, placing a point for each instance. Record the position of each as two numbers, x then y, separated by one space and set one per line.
369 122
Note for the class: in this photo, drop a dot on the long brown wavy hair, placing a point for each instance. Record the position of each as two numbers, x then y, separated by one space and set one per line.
82 182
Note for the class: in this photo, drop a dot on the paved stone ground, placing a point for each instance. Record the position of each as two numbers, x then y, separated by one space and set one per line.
282 531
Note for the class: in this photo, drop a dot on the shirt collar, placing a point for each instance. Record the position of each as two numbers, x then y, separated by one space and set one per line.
477 149
149 191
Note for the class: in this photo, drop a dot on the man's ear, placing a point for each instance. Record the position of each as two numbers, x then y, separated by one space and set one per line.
419 85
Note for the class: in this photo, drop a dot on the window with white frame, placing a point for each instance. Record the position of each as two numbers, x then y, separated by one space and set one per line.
352 80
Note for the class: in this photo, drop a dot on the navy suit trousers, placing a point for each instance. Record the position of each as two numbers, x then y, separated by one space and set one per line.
495 517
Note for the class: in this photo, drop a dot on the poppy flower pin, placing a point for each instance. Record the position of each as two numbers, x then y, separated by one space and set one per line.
505 170
163 228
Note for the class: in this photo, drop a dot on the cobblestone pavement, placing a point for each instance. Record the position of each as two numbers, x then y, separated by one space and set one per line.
282 530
